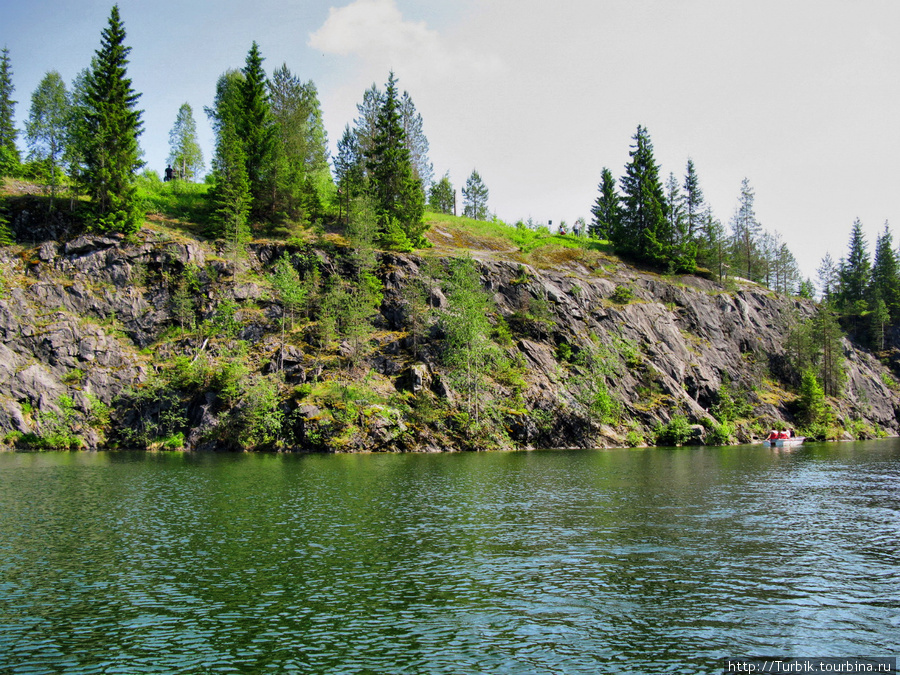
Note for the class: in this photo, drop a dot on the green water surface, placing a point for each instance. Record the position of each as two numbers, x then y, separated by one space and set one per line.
624 561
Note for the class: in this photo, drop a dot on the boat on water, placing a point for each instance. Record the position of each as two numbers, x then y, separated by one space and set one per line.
783 439
784 442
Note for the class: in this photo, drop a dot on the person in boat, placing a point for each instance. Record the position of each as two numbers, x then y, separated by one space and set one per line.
773 435
783 435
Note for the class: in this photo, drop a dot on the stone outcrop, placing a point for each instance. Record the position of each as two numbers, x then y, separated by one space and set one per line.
81 321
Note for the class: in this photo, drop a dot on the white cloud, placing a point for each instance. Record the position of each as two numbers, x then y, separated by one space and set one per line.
376 31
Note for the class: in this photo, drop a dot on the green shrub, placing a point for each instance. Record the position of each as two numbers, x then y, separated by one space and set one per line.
634 439
719 434
676 432
622 295
74 376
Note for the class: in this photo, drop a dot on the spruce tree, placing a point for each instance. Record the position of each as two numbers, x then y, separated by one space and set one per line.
348 170
230 194
885 282
9 152
112 127
398 194
695 206
256 129
185 155
645 234
856 272
606 210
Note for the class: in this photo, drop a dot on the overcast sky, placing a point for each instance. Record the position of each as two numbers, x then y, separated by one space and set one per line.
799 96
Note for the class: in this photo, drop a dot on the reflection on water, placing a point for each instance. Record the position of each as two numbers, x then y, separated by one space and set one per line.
546 562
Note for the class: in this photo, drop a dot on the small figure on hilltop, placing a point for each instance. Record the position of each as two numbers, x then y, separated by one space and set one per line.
170 174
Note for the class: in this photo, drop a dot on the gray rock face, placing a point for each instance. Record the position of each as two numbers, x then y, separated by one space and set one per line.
75 320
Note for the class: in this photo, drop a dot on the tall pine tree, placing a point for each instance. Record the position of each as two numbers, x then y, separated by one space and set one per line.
112 127
9 152
855 274
398 194
694 202
645 234
746 232
606 210
475 197
256 128
885 281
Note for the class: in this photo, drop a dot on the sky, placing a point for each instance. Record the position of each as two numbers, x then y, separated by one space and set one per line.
801 97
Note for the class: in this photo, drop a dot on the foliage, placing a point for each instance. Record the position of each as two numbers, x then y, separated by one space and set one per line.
179 200
9 152
301 178
677 431
255 127
745 233
289 288
593 366
468 350
622 295
230 196
415 140
185 155
719 434
731 404
47 127
475 196
442 195
813 408
607 211
6 234
57 430
644 233
397 192
112 127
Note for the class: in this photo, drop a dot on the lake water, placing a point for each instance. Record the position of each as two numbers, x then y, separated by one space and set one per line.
624 561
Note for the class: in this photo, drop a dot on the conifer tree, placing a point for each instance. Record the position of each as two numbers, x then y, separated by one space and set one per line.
185 155
645 234
712 251
682 256
475 197
230 195
856 272
606 210
746 231
301 156
416 142
256 129
827 275
9 152
112 127
398 194
694 202
348 170
885 283
442 195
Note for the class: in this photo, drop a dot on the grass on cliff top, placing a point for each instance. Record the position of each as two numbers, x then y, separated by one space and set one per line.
520 243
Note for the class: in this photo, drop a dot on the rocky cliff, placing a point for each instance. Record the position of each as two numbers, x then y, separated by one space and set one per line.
94 352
